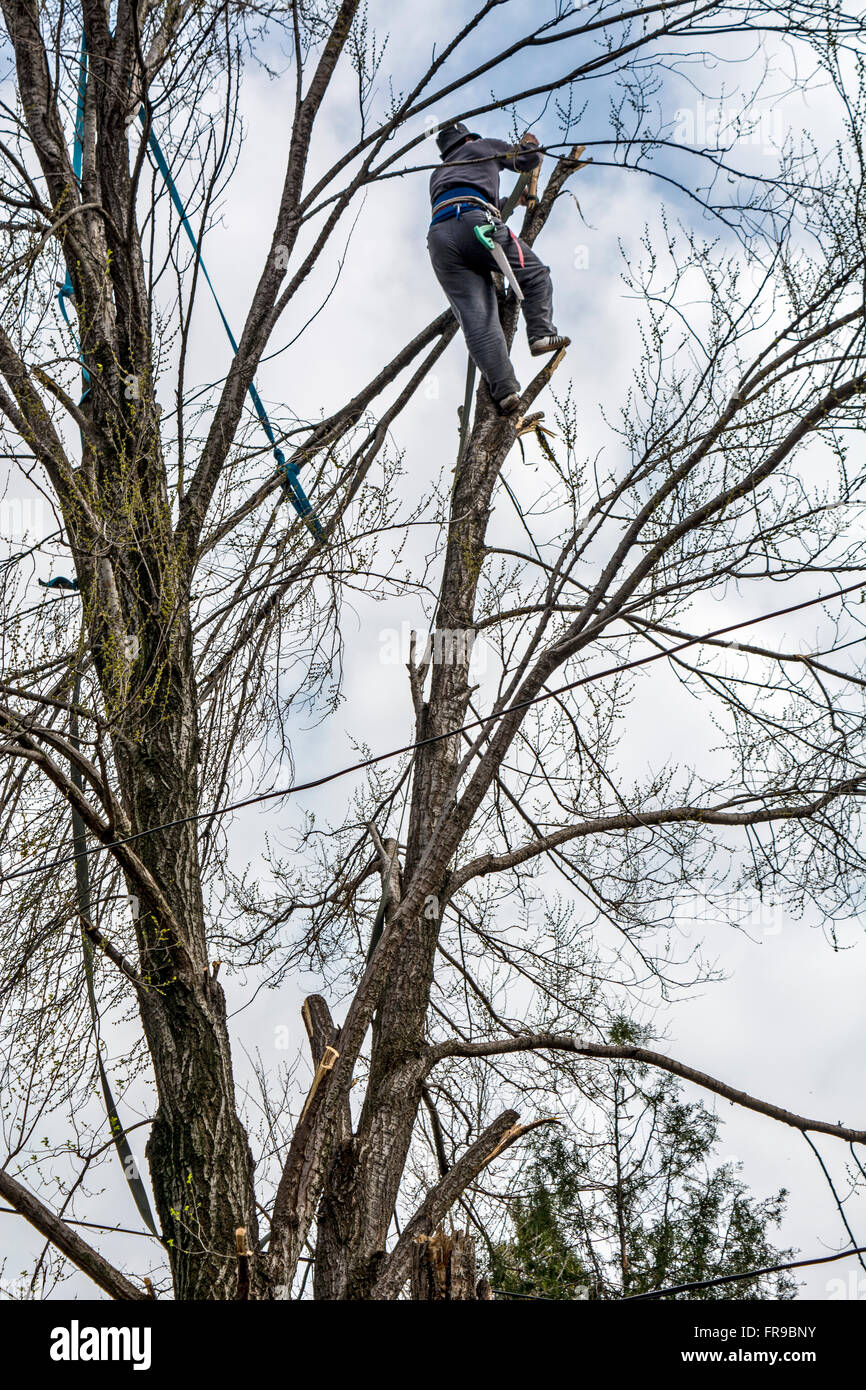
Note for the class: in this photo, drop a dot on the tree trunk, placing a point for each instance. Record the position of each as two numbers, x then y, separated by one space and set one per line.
199 1157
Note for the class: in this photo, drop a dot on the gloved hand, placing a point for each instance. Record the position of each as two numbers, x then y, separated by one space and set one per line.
527 199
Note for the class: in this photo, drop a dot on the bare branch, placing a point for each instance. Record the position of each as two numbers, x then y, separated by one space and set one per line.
563 1042
67 1241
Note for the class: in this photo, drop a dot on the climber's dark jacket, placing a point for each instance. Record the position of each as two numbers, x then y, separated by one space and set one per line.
478 164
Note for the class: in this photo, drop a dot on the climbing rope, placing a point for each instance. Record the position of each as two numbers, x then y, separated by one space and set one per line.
67 290
288 468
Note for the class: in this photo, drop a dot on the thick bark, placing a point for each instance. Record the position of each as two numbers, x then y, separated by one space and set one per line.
199 1156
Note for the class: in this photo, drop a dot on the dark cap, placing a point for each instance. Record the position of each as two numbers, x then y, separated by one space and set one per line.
451 136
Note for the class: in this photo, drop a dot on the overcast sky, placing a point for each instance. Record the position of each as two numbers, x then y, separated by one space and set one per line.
787 1023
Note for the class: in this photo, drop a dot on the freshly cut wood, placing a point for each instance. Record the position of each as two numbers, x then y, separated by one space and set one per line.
443 1266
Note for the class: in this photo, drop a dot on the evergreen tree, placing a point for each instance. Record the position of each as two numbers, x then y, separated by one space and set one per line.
639 1206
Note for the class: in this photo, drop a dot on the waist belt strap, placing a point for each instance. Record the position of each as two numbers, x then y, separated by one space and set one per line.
465 190
458 198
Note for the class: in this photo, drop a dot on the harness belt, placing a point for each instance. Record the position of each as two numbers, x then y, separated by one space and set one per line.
453 199
468 197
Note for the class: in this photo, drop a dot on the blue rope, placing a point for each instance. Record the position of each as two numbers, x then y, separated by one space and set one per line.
291 479
78 147
297 496
67 290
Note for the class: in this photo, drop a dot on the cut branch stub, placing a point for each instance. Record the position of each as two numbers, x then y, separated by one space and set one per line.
443 1266
321 1030
243 1256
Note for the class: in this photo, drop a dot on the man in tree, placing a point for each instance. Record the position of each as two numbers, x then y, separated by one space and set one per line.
464 194
153 701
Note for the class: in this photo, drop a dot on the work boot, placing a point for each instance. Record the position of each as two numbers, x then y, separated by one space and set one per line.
554 342
509 404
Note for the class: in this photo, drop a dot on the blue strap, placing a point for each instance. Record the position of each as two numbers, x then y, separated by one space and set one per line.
463 190
78 147
447 194
297 496
291 479
66 289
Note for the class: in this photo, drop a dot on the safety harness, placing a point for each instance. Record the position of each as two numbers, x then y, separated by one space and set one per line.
451 203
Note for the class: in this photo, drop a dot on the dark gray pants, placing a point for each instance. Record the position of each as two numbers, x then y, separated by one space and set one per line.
463 268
